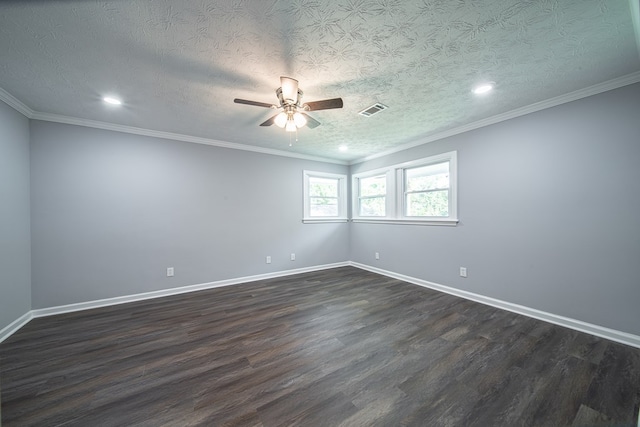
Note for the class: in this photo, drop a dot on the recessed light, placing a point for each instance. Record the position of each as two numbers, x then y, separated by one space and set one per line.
111 100
483 88
343 148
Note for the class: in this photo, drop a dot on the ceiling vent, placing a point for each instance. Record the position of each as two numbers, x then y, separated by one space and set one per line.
374 109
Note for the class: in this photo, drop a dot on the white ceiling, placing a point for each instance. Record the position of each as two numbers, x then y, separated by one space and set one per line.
178 65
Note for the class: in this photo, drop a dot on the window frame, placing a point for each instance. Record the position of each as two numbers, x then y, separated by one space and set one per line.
396 201
341 199
355 191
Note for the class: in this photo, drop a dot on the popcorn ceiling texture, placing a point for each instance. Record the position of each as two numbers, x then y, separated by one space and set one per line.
179 65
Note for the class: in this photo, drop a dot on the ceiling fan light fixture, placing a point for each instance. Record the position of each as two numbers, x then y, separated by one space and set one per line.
299 119
291 126
281 120
292 115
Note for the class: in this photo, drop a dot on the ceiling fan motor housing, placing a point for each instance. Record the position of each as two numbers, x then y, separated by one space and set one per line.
284 102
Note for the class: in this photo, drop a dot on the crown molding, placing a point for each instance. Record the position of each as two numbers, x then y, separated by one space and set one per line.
15 103
532 108
175 136
538 106
22 108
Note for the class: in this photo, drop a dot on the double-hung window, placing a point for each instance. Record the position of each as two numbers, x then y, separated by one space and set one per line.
325 197
427 190
422 191
372 196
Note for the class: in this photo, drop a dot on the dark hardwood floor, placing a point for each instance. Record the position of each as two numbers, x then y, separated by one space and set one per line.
335 347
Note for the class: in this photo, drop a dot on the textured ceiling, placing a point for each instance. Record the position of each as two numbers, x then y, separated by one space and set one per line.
178 65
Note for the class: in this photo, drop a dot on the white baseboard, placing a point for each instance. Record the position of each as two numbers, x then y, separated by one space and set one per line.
600 331
578 325
69 308
12 327
50 311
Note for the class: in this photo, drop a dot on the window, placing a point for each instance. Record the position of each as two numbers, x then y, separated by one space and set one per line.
372 197
325 197
426 189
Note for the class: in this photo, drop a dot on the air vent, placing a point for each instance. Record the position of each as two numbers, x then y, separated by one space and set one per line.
374 109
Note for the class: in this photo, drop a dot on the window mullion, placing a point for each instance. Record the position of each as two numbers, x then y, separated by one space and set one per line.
398 186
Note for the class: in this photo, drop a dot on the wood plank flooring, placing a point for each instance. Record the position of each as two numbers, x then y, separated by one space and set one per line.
340 347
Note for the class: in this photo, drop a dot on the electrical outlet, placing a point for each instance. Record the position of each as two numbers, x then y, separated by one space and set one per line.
268 259
293 256
377 255
463 271
169 271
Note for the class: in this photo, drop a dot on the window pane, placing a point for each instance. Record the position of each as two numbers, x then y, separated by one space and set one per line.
323 206
428 177
373 186
374 206
323 187
435 203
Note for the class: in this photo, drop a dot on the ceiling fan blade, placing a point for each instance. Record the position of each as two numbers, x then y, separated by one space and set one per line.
311 122
269 121
325 104
255 103
289 89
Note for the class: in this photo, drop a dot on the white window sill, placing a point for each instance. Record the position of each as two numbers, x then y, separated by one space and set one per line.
445 222
323 220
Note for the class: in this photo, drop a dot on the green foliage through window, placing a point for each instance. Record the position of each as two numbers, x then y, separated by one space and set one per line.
427 190
323 196
373 191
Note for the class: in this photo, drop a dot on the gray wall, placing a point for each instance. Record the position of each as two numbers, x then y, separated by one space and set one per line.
15 240
549 208
111 211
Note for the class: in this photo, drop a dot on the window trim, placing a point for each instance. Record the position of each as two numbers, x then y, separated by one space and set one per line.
342 197
395 206
388 195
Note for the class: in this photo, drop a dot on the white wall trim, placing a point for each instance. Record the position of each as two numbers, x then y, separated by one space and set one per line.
50 311
542 105
15 103
13 327
19 106
562 99
578 325
176 137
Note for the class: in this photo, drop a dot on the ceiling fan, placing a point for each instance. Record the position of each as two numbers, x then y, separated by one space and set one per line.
293 115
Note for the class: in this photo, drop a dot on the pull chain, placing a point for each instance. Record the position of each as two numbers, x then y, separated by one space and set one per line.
291 136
